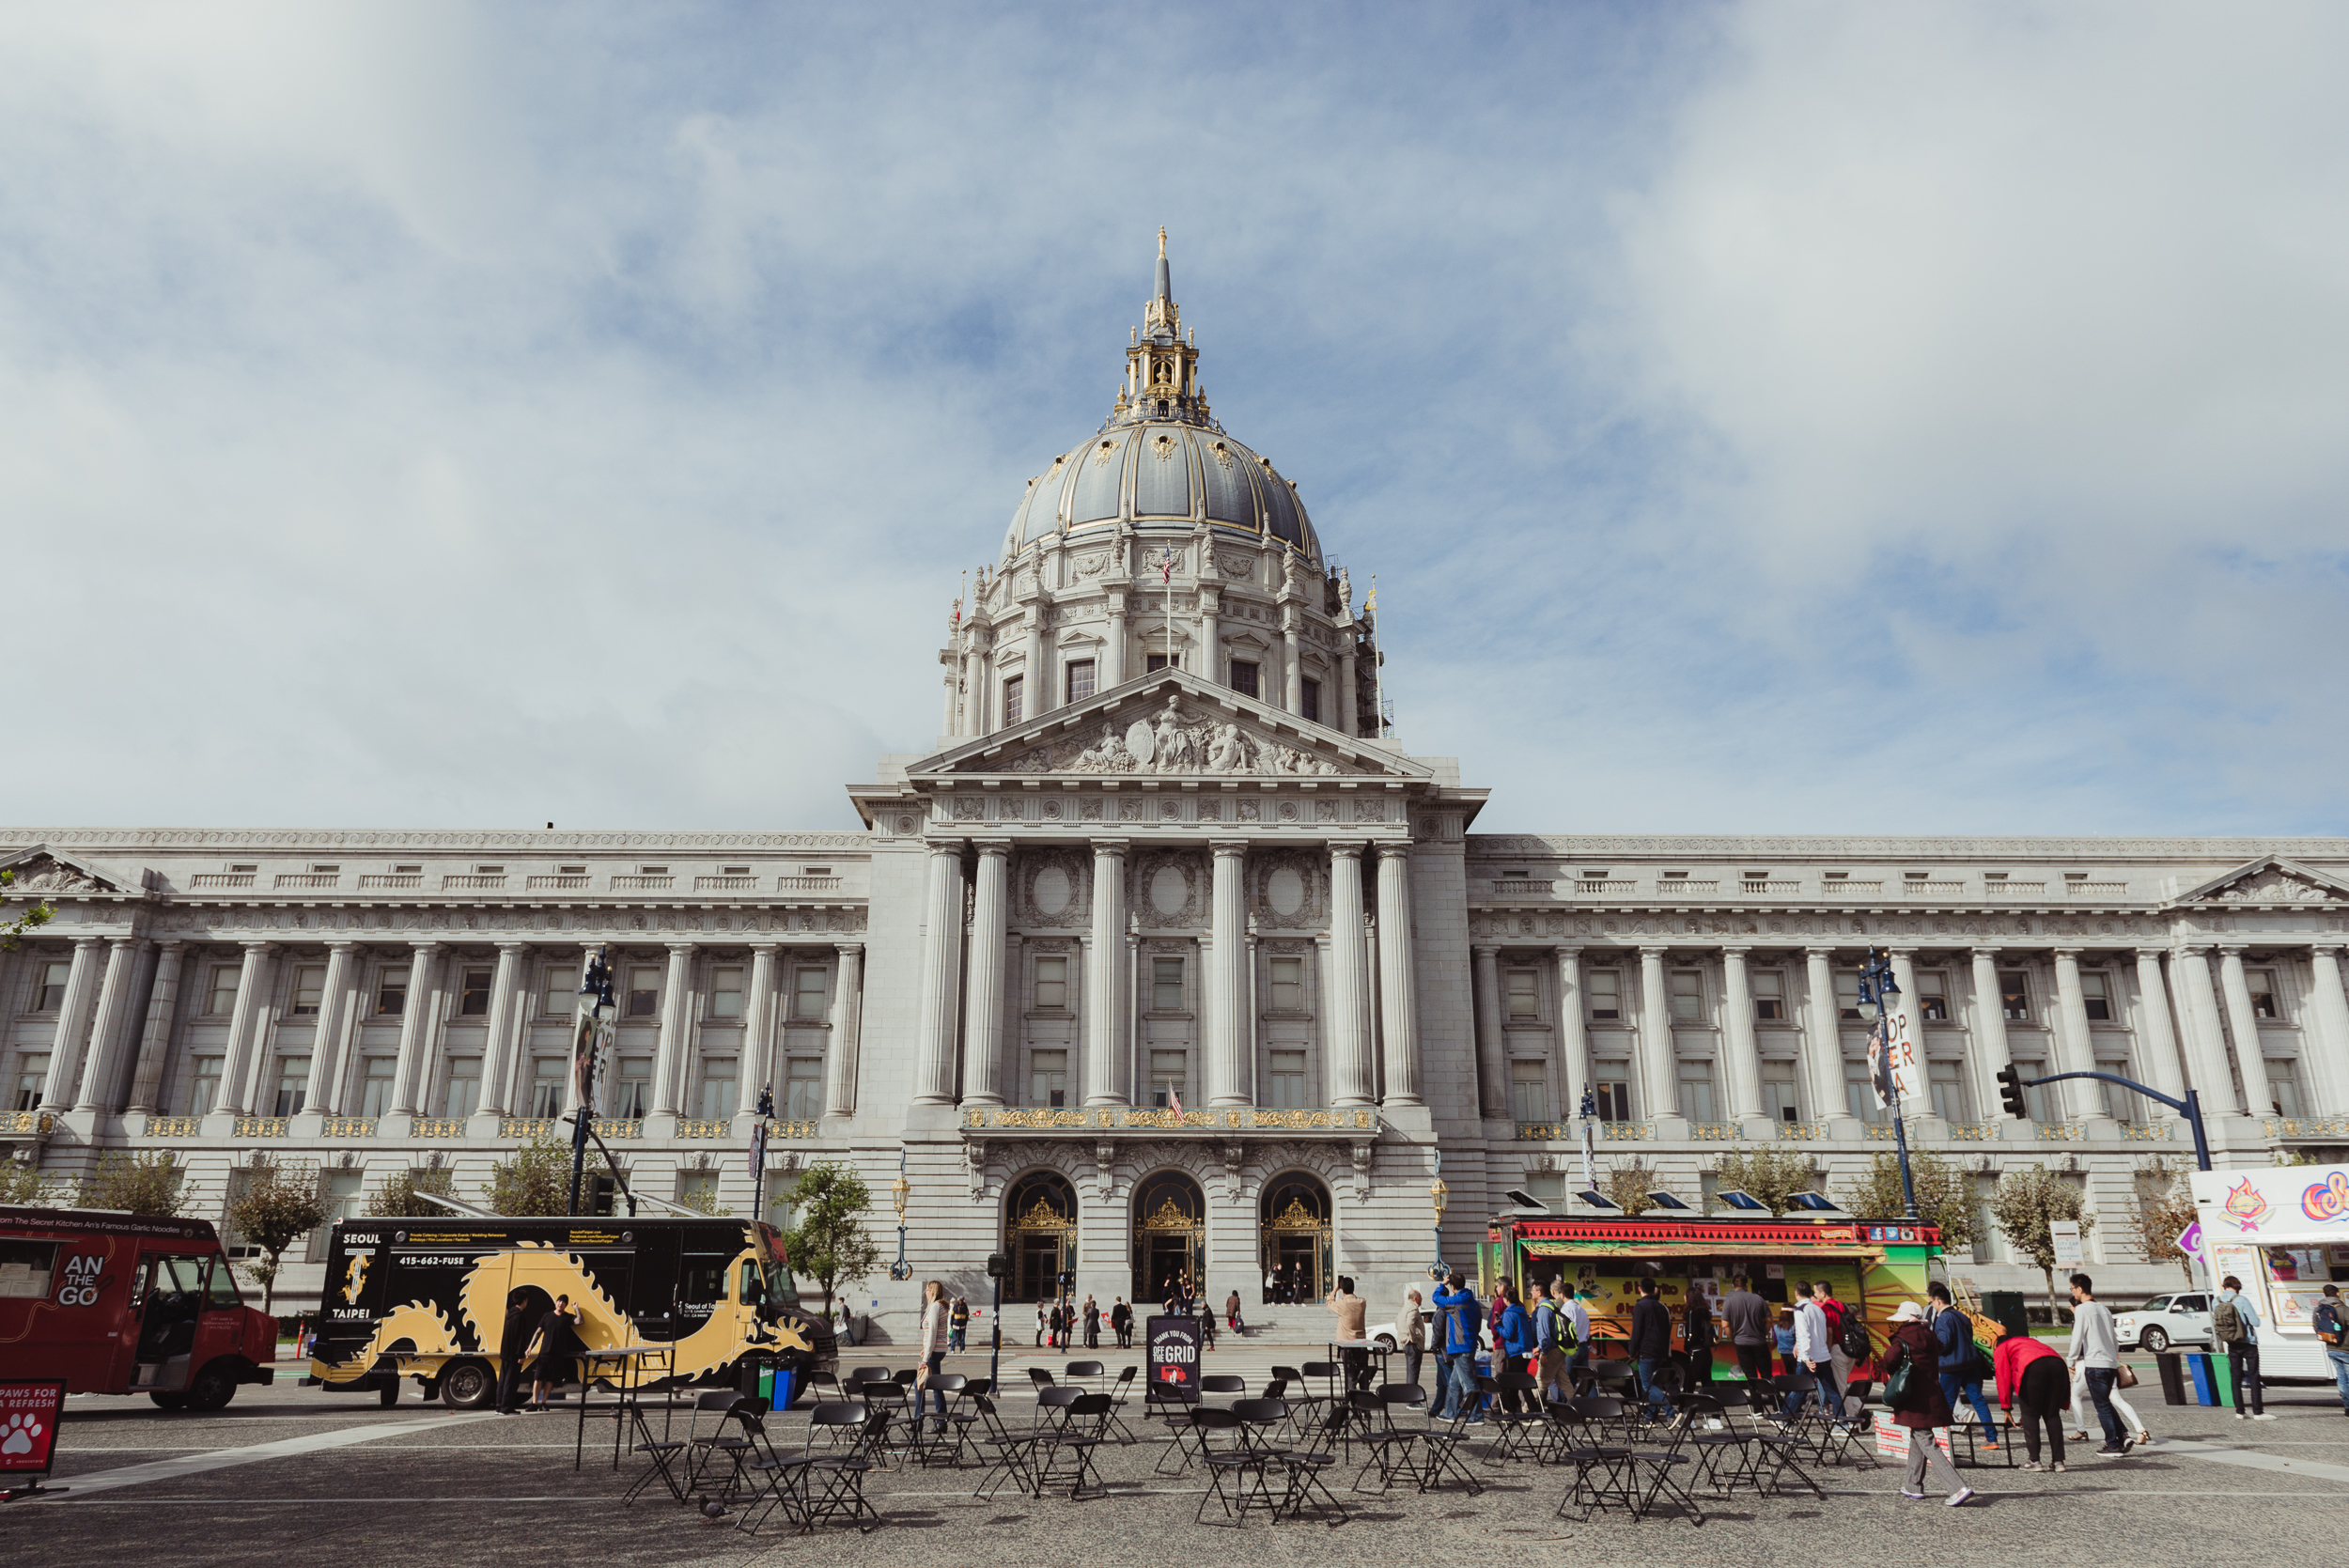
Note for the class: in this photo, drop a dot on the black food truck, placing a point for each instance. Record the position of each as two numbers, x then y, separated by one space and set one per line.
428 1300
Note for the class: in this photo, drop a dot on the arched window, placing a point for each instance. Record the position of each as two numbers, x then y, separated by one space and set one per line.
1294 1239
1040 1234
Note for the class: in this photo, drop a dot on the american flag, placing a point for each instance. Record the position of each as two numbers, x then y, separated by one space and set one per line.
1175 1097
1166 567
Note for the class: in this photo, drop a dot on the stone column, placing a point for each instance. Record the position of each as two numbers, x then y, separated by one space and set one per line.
146 1083
57 1090
417 1024
1659 1091
983 993
1574 1045
2245 1027
1905 976
2160 1041
1737 1042
847 1012
967 713
954 693
1823 1038
248 1028
499 1056
113 1004
758 1030
1292 666
942 972
1105 994
982 698
1492 1057
2327 1050
1114 674
1210 632
1397 994
1343 699
2074 1052
1035 681
2208 1048
668 1062
1349 981
322 1096
1227 996
1991 1052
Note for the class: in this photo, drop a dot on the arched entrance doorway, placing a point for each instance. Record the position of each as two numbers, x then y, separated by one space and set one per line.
1170 1236
1293 1238
1040 1234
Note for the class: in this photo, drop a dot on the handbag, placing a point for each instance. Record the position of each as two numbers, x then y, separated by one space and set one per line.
1896 1383
2125 1377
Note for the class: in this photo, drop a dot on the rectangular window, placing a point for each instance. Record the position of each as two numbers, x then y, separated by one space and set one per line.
293 1085
1288 985
803 1087
1778 1092
309 984
807 994
204 1085
1696 1091
375 1086
644 990
1859 1096
562 990
1529 1090
1284 1075
474 1000
1933 995
1948 1089
2036 1102
391 993
1166 985
1604 989
1153 663
725 991
2284 1086
341 1189
1309 700
2013 995
2096 995
1048 1078
631 1088
464 1086
222 999
1525 1002
2262 987
1688 996
1847 995
550 1086
32 1072
717 1088
1080 679
1614 1099
1769 996
1051 983
2122 1104
1011 699
53 978
1243 678
1169 1077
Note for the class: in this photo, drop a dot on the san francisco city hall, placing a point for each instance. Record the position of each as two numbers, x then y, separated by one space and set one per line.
1162 856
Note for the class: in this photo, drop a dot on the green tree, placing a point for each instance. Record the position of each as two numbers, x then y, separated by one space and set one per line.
269 1206
2028 1201
22 1183
397 1197
2163 1209
1945 1195
148 1184
1627 1184
1770 1173
14 931
537 1177
829 1244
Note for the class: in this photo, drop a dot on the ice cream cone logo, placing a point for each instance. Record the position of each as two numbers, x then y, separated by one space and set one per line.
2244 1206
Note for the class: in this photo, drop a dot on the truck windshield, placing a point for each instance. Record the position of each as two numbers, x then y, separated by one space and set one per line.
223 1291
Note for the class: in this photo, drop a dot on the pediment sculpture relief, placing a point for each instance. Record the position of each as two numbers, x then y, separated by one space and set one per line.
1173 743
2272 887
48 876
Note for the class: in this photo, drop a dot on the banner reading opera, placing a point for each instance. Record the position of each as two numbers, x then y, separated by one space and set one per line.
1174 1354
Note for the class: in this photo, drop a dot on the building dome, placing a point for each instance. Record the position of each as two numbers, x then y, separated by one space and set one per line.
1161 461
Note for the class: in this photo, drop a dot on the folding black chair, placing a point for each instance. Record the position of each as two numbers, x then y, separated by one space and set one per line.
1439 1447
937 1439
1601 1465
1221 1383
841 1478
1041 1378
1119 1399
1235 1462
1302 1470
780 1475
1010 1456
1653 1474
1305 1407
1714 1439
1397 1453
1514 1429
1065 1453
1078 1371
1051 1406
889 1441
664 1458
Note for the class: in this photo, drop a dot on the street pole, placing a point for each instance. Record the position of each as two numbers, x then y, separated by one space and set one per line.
595 1010
1879 998
995 1356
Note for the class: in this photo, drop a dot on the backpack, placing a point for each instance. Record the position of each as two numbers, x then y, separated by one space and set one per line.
2225 1324
1854 1343
1564 1336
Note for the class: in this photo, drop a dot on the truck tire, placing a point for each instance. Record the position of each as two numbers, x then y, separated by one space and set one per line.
2155 1340
388 1395
170 1402
212 1387
468 1386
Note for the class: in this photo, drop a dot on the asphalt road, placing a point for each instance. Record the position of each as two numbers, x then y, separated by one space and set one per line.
289 1474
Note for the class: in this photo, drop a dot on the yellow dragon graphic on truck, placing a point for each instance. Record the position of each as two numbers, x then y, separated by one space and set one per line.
421 1341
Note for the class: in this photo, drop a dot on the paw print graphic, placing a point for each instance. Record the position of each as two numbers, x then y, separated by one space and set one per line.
21 1430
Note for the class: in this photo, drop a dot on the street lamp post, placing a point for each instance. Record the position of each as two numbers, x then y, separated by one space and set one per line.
597 1009
899 1191
1880 1001
1440 1195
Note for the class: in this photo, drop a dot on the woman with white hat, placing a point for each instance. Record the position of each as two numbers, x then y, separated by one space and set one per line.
1912 1388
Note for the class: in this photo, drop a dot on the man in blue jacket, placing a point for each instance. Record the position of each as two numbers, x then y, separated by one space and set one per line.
1961 1363
1515 1344
1457 1351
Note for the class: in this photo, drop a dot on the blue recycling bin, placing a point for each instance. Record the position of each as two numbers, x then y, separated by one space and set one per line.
2209 1388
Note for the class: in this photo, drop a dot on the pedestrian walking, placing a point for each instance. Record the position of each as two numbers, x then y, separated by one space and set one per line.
959 1324
1651 1348
2131 1423
1812 1354
1411 1333
1696 1337
513 1349
1043 1323
1458 1303
1122 1319
937 1324
2031 1378
1782 1338
2331 1324
1916 1404
2096 1352
1846 1347
1231 1312
2234 1324
1961 1363
556 1350
1515 1343
1092 1325
1352 1313
1577 1359
1549 1364
1746 1317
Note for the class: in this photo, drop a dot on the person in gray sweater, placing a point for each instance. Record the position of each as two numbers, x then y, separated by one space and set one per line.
2096 1352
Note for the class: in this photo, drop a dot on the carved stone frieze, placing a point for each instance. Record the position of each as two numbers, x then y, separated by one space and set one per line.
1053 889
1175 740
1168 887
1289 890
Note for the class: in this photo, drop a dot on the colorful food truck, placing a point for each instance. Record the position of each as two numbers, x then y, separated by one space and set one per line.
428 1300
121 1303
2284 1232
1873 1265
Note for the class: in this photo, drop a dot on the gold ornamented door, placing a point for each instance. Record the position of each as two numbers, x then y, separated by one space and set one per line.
1170 1236
1294 1240
1040 1234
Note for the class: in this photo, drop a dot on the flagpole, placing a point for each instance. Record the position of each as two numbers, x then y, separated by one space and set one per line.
1377 658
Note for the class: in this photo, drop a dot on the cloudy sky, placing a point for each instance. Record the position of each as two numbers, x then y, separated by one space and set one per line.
1812 418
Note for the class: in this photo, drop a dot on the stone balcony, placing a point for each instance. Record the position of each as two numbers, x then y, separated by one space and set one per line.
1113 1121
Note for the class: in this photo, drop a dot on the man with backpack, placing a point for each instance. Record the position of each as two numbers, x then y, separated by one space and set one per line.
1562 1324
1962 1365
1847 1345
1457 1349
2332 1332
2235 1326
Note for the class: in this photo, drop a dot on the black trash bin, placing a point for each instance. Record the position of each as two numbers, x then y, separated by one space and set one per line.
2007 1307
2173 1366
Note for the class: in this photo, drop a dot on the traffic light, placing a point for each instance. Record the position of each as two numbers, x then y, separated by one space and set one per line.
2010 1090
999 1265
601 1189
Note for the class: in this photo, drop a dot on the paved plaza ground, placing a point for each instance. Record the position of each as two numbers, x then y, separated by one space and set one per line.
291 1475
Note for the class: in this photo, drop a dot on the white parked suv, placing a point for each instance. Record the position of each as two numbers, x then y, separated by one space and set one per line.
2165 1321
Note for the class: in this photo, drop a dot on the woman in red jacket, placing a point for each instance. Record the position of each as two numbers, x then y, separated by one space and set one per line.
2031 1371
1921 1406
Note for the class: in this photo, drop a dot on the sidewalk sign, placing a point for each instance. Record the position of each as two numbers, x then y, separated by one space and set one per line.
29 1412
2063 1236
1174 1354
1892 1439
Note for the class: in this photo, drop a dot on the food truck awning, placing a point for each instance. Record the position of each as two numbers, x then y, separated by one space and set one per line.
1685 1239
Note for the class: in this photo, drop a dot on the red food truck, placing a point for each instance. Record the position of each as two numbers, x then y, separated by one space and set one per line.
122 1303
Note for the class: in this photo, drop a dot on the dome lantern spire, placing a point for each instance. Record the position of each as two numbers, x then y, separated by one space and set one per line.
1162 368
